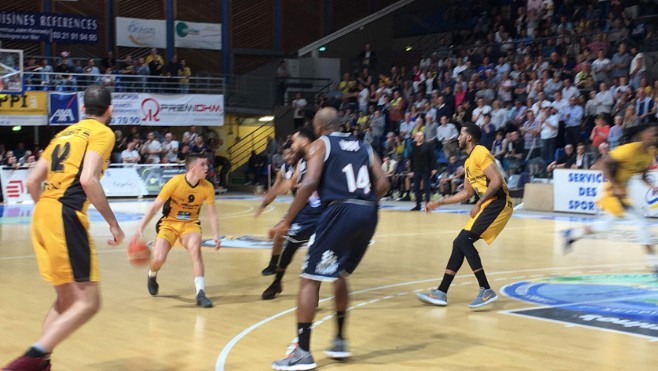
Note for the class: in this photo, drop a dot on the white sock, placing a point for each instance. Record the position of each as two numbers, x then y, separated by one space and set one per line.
577 233
152 274
198 283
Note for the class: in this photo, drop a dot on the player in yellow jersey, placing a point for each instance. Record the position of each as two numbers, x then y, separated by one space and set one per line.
71 166
489 216
181 199
618 167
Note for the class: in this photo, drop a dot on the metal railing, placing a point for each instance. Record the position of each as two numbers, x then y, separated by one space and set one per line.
240 152
54 81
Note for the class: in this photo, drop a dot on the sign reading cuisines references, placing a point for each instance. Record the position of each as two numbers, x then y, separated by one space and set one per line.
48 27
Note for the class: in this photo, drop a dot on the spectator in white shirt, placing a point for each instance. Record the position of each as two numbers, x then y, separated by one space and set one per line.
549 122
479 111
447 134
170 148
130 154
151 149
298 108
498 115
569 90
604 100
601 67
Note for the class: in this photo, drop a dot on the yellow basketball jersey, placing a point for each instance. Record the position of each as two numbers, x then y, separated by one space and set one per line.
65 155
182 201
478 160
631 159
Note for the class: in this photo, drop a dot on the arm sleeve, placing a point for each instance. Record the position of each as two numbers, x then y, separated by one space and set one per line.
102 142
165 192
210 195
484 158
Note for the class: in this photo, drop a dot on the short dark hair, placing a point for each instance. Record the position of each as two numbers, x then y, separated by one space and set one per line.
97 99
474 131
191 157
307 132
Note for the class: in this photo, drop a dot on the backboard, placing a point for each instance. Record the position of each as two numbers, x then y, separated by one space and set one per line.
11 71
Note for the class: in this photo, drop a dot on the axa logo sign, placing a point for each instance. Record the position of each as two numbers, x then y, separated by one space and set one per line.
64 109
15 188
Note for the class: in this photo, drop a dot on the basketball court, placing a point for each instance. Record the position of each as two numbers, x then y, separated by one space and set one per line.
595 309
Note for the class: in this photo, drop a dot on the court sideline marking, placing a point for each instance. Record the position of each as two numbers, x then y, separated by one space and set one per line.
221 359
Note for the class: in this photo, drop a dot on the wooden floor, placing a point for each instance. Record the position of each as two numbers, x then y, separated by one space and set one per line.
388 329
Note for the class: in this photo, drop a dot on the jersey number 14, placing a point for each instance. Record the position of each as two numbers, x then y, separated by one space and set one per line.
361 181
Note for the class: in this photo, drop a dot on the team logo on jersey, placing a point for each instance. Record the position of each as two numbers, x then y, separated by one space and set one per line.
624 303
190 198
328 264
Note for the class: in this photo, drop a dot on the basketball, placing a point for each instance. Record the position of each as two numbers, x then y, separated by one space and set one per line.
138 253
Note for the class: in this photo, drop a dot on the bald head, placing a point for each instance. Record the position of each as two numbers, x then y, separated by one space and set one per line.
325 120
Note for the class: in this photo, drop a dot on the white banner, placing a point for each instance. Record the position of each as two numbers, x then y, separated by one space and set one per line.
23 120
141 33
122 182
165 110
182 110
576 191
125 107
14 186
198 35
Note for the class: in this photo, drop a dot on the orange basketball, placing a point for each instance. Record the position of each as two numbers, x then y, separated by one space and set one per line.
139 253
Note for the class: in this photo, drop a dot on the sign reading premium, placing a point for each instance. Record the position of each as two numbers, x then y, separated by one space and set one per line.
48 27
198 35
141 33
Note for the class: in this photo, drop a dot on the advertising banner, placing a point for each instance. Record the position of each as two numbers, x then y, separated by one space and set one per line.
48 27
576 191
63 108
14 186
154 177
122 182
182 110
125 108
198 35
141 33
29 109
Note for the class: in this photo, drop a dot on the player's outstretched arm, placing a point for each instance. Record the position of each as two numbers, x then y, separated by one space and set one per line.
155 206
314 167
212 216
36 178
459 197
90 179
379 178
280 186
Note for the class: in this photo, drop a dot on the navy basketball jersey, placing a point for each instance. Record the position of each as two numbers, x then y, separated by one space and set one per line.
314 200
287 171
346 172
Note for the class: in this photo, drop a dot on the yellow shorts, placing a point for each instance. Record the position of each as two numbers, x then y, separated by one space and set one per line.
492 218
172 231
64 249
613 204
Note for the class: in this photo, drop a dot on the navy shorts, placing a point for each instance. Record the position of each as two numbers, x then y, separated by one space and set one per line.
340 241
303 226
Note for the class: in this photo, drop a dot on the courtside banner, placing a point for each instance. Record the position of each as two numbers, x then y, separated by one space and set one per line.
182 109
141 33
14 186
29 109
63 108
576 191
198 35
122 182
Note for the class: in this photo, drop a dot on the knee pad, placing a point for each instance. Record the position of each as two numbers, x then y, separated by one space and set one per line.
465 241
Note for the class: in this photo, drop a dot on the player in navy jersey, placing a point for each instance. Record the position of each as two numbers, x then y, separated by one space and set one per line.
282 184
343 170
303 226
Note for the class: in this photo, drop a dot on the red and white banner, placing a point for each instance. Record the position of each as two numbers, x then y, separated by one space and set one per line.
182 110
165 110
14 186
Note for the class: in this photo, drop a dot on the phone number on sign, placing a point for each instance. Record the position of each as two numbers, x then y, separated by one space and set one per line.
74 36
125 120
